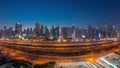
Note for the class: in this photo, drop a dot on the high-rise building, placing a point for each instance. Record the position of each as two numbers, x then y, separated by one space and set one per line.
37 28
31 32
46 32
66 33
95 33
41 30
5 31
76 34
34 31
99 32
57 32
24 31
106 29
0 33
90 32
83 33
18 29
52 33
10 32
28 30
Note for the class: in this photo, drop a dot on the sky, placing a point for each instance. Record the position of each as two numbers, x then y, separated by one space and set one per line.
59 12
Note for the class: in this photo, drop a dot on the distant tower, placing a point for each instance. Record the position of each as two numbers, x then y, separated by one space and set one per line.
18 29
57 32
46 32
76 34
52 32
5 31
28 32
0 32
31 32
10 32
90 32
37 27
41 30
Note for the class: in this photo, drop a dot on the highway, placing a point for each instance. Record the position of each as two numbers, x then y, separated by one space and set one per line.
41 54
61 50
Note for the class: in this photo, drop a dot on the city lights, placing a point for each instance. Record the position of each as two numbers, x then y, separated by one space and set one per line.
59 33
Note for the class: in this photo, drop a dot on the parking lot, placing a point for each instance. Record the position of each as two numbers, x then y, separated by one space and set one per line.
76 65
110 61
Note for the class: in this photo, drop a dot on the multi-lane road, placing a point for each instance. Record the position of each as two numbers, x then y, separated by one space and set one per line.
42 52
64 49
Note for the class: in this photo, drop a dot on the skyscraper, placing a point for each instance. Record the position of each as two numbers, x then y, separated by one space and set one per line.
0 33
76 34
18 29
41 30
90 32
5 31
10 32
52 33
46 33
28 32
57 32
66 33
37 28
31 32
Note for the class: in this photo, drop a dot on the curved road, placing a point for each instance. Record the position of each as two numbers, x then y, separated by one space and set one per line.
21 51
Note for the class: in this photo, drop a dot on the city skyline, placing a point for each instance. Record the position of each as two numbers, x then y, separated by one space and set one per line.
59 33
59 12
72 33
50 26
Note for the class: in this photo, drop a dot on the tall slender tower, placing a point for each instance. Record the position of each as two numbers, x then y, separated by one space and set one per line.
18 29
37 27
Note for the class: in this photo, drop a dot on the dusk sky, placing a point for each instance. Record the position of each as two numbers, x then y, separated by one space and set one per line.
59 12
